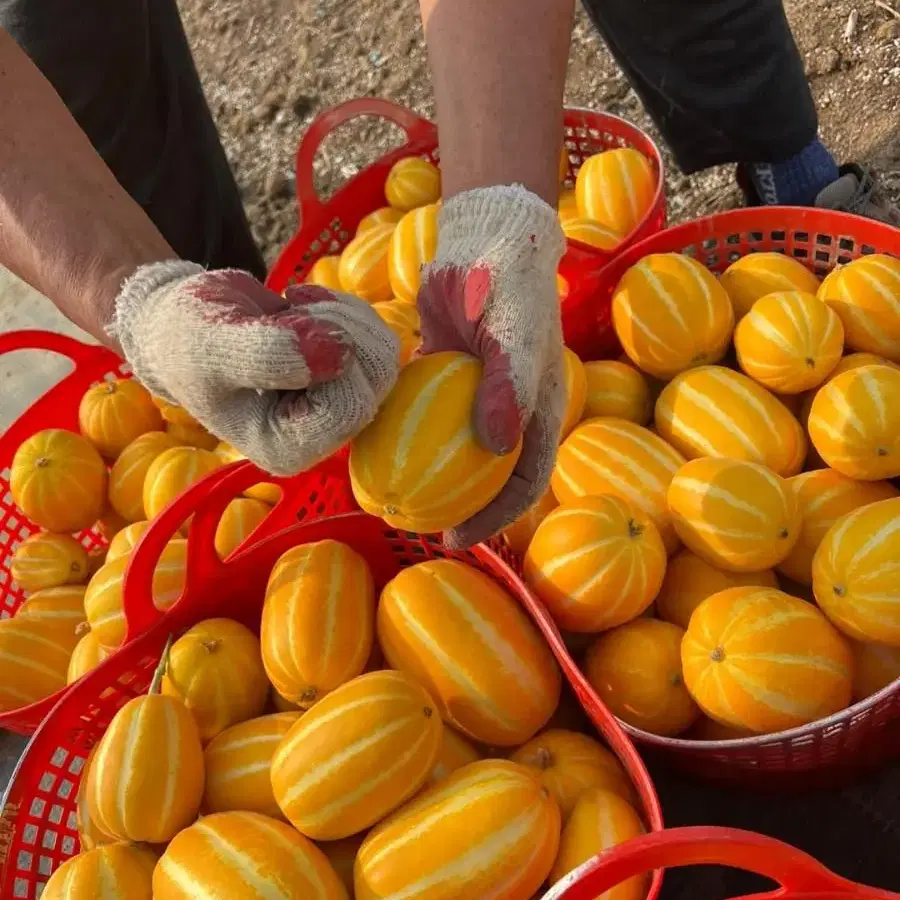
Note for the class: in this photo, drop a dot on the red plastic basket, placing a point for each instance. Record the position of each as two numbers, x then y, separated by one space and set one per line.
57 408
868 733
37 828
327 227
801 877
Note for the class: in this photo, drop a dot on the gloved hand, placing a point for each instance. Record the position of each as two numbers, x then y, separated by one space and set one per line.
491 291
287 381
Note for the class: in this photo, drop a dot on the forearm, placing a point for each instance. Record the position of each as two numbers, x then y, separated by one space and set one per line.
66 225
499 70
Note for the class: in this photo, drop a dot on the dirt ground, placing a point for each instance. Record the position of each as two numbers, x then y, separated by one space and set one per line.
270 66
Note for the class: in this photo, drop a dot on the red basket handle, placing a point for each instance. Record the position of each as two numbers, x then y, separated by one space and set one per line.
79 352
417 129
798 873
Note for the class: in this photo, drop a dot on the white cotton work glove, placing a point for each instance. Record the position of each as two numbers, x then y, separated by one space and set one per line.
285 380
491 291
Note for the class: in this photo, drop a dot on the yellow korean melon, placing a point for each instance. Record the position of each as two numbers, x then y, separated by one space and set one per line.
468 642
89 835
875 667
413 245
489 830
567 206
172 412
56 606
596 563
854 423
126 478
87 655
689 580
241 518
216 670
237 762
518 535
571 764
403 319
737 516
318 620
120 871
671 314
113 413
636 671
618 390
456 752
600 821
363 268
149 759
34 658
757 659
126 540
58 479
856 573
324 272
587 231
103 598
789 342
576 391
47 560
713 411
753 276
616 188
357 755
824 497
866 295
171 473
419 465
244 856
384 215
191 436
613 456
267 491
412 182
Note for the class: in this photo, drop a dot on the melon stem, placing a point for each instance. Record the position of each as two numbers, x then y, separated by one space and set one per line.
161 668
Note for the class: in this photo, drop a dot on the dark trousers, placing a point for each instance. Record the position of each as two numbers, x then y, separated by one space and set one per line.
722 79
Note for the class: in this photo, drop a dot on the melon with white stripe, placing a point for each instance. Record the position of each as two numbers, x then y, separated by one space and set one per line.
866 295
600 821
670 314
363 268
854 423
119 871
216 670
103 602
737 516
713 411
238 762
576 391
596 563
59 606
241 518
613 456
490 830
171 473
126 478
570 764
876 666
616 188
34 657
462 636
47 560
761 660
412 182
146 778
518 535
587 231
824 497
318 620
191 435
856 573
456 752
126 540
690 580
244 856
413 245
89 835
419 465
618 390
357 755
384 215
753 276
267 491
789 342
403 319
113 413
87 655
324 272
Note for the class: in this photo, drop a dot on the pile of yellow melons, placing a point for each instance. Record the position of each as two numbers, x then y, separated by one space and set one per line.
721 526
134 454
447 774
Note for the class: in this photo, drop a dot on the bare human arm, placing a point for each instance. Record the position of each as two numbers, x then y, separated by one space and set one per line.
66 225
